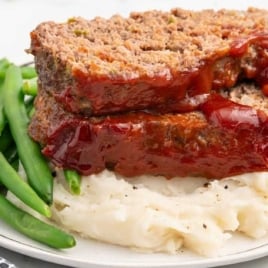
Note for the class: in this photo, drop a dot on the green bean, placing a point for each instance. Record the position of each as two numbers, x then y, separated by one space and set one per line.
28 72
15 164
29 86
31 112
73 180
3 189
34 228
29 103
36 167
5 139
4 64
16 185
2 113
12 156
11 153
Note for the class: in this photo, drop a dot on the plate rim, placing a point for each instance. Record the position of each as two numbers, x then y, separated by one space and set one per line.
39 253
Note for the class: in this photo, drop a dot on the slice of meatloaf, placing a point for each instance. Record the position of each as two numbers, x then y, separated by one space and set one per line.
150 60
222 139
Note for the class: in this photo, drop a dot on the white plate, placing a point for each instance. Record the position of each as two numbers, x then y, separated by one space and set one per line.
89 254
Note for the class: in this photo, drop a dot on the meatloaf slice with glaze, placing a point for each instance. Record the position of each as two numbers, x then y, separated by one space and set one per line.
223 138
150 60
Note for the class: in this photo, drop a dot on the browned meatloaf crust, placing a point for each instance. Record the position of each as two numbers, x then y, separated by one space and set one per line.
150 60
224 139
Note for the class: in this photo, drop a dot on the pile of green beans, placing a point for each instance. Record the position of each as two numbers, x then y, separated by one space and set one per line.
36 168
18 88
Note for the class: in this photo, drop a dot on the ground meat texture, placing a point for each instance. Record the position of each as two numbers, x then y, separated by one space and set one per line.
222 139
151 60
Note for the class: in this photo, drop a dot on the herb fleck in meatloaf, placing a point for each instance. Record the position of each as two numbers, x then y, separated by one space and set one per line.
222 139
151 60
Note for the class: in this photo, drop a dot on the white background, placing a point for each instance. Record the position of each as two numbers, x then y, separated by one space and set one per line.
19 17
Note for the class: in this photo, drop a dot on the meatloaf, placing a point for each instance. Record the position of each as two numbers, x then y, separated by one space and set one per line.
151 60
220 139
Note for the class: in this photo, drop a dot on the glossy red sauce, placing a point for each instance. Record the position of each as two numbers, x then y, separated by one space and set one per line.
240 46
259 70
175 93
227 114
231 139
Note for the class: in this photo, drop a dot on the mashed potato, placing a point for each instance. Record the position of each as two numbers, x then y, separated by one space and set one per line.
158 215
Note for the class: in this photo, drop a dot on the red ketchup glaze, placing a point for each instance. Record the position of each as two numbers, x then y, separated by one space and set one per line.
169 92
259 72
240 46
231 139
111 95
248 126
233 116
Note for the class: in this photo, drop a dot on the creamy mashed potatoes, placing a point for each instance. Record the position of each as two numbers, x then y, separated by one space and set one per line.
158 215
